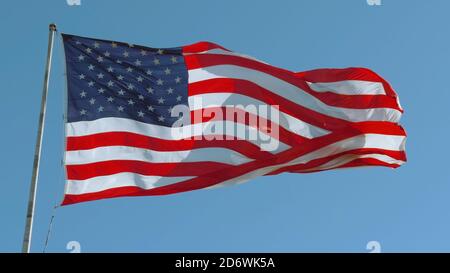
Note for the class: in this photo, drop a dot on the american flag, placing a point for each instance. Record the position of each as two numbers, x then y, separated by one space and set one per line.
120 133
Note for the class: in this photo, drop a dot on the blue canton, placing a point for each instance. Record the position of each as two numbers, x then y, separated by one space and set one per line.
113 79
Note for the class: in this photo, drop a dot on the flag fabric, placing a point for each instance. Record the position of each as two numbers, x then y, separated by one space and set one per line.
123 139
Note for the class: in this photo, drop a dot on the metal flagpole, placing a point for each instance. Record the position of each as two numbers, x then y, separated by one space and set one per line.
37 152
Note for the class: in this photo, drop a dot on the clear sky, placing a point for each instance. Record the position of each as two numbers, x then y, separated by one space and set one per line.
407 209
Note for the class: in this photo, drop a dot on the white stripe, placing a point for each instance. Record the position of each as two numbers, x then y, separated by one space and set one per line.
231 99
344 159
105 125
101 183
219 51
350 87
221 155
292 92
376 141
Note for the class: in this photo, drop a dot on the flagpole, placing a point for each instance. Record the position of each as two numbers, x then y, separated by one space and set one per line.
37 152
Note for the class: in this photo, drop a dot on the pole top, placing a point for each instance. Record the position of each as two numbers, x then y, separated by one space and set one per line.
52 27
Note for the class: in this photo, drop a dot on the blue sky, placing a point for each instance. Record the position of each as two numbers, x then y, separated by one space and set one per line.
407 209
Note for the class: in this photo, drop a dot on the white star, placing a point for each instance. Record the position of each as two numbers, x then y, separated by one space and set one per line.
101 90
130 45
150 108
107 54
141 114
78 42
150 90
179 98
110 83
143 52
160 51
83 112
159 82
169 110
100 59
167 71
113 44
88 50
100 75
83 94
126 54
170 90
130 102
81 58
130 86
121 92
161 100
140 79
138 63
149 72
91 67
156 61
91 83
110 69
82 76
96 45
119 61
161 118
174 59
129 69
120 108
92 101
110 99
120 77
141 97
177 79
100 109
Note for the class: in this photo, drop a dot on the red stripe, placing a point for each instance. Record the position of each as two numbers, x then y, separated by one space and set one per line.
145 142
359 162
378 127
365 162
399 155
109 193
351 73
356 101
297 79
86 171
201 46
